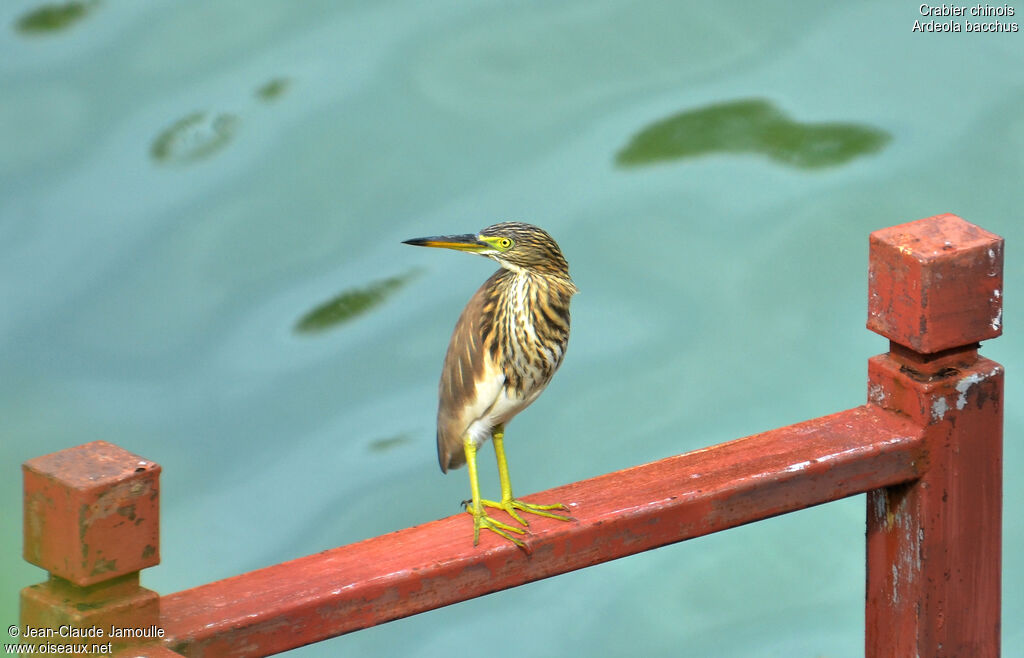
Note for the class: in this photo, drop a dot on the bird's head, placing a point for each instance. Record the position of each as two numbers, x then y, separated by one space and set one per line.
514 245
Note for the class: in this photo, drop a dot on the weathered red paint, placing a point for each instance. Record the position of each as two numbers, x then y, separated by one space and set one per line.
92 520
91 513
934 544
936 284
618 514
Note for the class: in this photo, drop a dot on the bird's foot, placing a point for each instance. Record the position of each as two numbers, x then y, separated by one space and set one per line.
510 505
482 520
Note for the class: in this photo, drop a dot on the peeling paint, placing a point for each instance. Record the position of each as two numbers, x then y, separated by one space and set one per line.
997 321
939 408
103 566
963 386
880 506
37 504
876 394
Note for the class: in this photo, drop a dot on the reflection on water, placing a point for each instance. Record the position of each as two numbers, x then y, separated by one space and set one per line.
352 303
752 126
194 137
53 18
272 89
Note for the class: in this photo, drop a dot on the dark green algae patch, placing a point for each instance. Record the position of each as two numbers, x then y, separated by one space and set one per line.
389 443
194 137
352 303
750 126
272 89
53 17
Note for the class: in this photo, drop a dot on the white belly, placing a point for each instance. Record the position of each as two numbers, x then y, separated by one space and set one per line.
502 411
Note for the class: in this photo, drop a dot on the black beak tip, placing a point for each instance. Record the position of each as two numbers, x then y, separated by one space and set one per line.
444 241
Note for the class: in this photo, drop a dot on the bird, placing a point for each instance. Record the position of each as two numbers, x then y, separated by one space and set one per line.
507 344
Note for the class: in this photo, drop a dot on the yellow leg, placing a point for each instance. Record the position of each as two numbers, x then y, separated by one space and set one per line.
508 502
481 520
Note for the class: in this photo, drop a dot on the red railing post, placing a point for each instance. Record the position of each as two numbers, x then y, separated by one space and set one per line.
91 517
933 544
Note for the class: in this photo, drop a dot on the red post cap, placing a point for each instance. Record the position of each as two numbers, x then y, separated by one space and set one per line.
935 284
92 513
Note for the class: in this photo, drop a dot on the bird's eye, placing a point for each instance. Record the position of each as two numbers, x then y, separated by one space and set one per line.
505 243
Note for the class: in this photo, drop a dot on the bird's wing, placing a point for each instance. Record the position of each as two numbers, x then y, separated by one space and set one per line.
470 382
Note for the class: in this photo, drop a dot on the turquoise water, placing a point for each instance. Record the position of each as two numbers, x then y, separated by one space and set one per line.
201 210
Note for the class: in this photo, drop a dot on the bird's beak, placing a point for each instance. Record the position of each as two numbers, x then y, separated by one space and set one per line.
468 242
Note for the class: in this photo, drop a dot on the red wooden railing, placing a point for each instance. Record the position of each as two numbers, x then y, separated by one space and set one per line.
926 448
